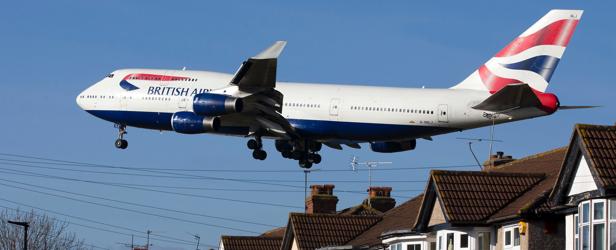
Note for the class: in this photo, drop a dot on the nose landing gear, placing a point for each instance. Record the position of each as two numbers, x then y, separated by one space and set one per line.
120 142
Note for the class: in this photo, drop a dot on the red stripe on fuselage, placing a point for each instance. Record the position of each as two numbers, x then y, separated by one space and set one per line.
153 77
557 33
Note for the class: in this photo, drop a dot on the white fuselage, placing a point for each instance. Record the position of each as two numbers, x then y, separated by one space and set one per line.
325 112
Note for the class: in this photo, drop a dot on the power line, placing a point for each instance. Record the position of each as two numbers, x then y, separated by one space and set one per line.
74 163
259 181
133 185
125 209
161 191
96 222
172 239
142 205
139 187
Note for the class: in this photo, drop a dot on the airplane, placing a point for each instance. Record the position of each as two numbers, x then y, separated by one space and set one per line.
302 117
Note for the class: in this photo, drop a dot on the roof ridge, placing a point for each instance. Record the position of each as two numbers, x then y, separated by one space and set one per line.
297 214
251 237
531 157
584 125
485 173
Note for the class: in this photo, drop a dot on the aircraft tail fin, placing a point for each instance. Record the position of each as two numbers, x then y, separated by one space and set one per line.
531 58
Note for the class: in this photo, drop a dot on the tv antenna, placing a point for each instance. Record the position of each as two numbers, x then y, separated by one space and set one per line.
370 165
197 238
470 147
306 172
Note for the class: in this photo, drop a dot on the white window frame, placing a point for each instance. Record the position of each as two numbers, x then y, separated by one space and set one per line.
576 231
511 245
582 224
602 220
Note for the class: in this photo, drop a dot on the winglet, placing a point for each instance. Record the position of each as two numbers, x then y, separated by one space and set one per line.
272 52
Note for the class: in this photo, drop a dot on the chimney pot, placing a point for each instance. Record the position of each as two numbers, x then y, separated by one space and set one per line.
321 200
498 159
380 199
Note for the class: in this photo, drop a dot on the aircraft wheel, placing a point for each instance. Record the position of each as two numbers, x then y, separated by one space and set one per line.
287 154
305 164
121 143
253 144
259 154
315 158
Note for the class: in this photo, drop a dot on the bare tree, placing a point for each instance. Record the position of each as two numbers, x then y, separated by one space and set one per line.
44 233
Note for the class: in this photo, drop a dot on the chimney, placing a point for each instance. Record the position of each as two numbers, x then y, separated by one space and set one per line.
380 199
322 200
496 160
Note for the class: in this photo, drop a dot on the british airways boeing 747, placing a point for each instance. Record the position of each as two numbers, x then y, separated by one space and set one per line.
301 117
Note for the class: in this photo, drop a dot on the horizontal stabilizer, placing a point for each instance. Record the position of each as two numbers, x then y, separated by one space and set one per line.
510 97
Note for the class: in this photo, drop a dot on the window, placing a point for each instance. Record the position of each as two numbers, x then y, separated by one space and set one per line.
598 225
598 210
440 242
463 240
413 246
585 225
598 236
397 246
483 241
450 241
576 232
512 237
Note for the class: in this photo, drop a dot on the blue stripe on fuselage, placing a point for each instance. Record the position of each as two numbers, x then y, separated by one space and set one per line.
313 129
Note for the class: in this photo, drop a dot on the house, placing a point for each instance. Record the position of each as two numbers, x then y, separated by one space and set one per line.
564 198
586 188
322 225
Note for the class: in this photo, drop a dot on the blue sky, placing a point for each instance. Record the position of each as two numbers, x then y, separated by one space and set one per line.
52 50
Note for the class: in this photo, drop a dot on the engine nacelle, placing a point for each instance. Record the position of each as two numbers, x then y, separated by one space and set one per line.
208 104
190 123
393 146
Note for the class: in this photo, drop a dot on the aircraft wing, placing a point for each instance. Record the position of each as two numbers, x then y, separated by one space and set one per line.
259 72
257 78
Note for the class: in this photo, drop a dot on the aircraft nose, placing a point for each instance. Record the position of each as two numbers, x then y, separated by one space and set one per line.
80 100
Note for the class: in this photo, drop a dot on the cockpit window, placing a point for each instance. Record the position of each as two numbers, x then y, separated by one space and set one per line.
110 75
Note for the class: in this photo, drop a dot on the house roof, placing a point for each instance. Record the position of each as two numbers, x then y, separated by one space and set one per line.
276 232
312 231
251 243
535 199
472 196
361 209
600 145
517 188
398 218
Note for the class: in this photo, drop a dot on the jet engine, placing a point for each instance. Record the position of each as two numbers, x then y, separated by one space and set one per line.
393 146
208 104
190 123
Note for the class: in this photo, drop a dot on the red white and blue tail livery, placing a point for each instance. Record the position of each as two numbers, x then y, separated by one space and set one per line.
302 117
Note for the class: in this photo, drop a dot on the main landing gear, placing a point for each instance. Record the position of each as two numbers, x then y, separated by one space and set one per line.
305 152
256 145
120 142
